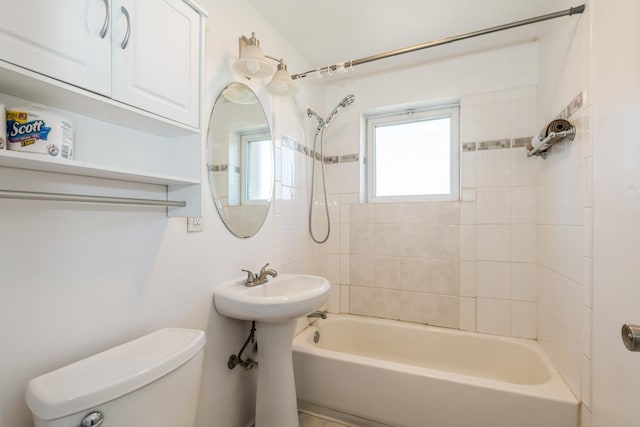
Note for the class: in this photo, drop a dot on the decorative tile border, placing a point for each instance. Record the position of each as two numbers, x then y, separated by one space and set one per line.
520 142
494 145
292 144
218 168
468 146
575 104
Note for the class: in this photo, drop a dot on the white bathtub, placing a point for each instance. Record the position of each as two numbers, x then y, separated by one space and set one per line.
409 375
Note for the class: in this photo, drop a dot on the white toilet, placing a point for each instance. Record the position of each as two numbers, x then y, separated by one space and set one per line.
151 381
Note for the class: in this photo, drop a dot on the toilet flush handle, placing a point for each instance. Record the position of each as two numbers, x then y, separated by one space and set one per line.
92 419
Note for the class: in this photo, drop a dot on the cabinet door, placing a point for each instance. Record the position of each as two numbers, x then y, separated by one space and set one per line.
68 40
158 68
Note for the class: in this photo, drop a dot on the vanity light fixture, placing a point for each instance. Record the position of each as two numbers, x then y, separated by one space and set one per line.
253 63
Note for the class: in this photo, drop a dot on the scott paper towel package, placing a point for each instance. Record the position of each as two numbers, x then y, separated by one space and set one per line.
3 127
37 130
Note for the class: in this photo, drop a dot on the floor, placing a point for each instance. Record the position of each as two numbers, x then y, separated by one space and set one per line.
307 420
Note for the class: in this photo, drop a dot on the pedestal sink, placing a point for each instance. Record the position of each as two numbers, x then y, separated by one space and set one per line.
274 306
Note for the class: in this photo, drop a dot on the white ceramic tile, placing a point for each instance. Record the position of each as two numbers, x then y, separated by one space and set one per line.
344 238
493 168
523 281
331 268
524 170
523 117
494 316
437 276
572 366
491 119
361 300
560 249
438 310
493 279
493 242
523 319
468 213
587 181
361 272
587 285
467 123
468 314
386 303
523 243
468 195
333 303
524 205
362 213
494 205
468 278
288 167
586 382
278 164
585 416
468 242
345 269
587 231
434 241
469 169
387 272
344 299
586 331
587 144
343 177
361 238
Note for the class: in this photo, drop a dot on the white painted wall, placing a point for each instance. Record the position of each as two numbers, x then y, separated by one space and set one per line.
76 279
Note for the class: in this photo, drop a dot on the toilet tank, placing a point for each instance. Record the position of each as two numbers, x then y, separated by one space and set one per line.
151 381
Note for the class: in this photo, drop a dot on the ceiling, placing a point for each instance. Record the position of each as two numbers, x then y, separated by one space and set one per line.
326 32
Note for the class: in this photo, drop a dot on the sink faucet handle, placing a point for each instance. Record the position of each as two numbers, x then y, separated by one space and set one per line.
264 267
250 276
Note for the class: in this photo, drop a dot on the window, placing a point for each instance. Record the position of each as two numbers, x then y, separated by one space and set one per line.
258 167
413 156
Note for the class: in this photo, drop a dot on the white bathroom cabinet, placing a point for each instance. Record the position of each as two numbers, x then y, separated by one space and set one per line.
53 53
140 52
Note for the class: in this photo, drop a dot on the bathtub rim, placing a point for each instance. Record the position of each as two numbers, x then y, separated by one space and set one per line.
554 389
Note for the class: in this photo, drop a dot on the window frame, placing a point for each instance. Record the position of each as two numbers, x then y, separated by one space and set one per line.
410 116
245 140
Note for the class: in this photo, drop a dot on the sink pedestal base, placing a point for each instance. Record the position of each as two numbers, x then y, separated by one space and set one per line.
276 403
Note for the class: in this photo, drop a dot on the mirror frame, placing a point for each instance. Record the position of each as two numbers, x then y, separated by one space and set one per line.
240 120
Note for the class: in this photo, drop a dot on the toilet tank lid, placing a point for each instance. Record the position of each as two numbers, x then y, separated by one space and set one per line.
112 373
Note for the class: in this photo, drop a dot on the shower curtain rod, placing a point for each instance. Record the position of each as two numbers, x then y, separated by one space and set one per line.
344 65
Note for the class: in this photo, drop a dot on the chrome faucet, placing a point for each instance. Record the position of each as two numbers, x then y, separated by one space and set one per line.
260 278
318 315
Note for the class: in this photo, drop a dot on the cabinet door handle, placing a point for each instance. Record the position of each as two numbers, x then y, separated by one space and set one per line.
107 17
125 41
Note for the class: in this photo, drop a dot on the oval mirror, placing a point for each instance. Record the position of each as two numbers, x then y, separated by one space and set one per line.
240 160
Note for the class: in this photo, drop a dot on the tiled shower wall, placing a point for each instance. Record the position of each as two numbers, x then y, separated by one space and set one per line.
469 264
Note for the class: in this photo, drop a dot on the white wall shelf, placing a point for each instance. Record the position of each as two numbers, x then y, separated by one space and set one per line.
43 163
133 123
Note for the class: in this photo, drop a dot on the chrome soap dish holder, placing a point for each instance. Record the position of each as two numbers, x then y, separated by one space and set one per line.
556 131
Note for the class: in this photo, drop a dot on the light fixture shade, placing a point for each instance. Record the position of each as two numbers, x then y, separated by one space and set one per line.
281 84
252 63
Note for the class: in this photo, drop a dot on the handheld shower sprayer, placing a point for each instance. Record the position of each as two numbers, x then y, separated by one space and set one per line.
323 124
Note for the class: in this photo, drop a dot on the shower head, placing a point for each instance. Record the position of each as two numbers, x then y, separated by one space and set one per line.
321 122
347 100
344 103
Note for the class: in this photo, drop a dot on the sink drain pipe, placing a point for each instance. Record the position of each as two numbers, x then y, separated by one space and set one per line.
235 360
